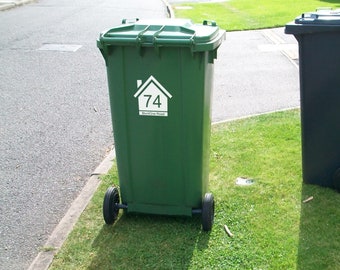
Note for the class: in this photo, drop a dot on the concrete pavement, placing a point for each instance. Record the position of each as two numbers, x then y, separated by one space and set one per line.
255 72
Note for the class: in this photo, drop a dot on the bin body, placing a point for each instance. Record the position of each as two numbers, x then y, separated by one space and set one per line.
318 35
160 85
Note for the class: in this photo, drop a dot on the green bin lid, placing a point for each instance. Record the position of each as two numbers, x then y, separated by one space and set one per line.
322 20
163 33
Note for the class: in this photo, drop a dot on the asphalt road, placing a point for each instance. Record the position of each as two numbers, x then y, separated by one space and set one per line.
54 113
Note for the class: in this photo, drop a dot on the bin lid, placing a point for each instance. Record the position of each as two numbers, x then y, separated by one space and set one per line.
164 32
322 20
320 17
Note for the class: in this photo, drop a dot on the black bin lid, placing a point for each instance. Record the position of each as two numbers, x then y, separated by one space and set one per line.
321 20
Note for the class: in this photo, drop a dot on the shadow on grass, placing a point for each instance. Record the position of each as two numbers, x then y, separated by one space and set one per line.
319 239
148 242
332 2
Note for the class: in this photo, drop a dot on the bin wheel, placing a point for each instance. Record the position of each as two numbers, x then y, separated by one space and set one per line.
110 209
208 210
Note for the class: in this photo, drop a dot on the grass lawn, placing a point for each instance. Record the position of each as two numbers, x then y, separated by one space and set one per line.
245 14
272 228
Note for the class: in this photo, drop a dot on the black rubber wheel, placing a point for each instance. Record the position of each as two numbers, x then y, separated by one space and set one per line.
110 209
208 211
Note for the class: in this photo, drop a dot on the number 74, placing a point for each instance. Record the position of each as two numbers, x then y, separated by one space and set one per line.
156 101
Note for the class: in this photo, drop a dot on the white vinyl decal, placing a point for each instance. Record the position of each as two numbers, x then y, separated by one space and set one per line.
152 98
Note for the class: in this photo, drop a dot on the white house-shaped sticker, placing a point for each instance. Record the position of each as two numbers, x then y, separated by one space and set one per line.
152 98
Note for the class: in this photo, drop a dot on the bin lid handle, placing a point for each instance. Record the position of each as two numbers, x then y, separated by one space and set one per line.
125 21
212 23
187 41
140 35
158 32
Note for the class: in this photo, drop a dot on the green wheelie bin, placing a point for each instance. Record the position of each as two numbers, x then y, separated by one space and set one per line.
318 35
160 76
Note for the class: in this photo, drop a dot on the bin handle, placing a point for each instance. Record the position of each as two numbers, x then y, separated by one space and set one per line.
175 41
189 42
154 40
323 8
139 38
158 32
310 16
212 23
125 21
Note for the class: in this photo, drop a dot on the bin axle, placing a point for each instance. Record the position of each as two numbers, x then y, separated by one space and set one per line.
121 206
124 206
111 208
196 211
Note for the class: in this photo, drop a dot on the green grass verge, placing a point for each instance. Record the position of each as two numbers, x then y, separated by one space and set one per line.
272 228
249 14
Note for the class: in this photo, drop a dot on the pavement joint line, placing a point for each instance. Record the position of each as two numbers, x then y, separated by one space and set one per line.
55 241
5 5
270 35
290 58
